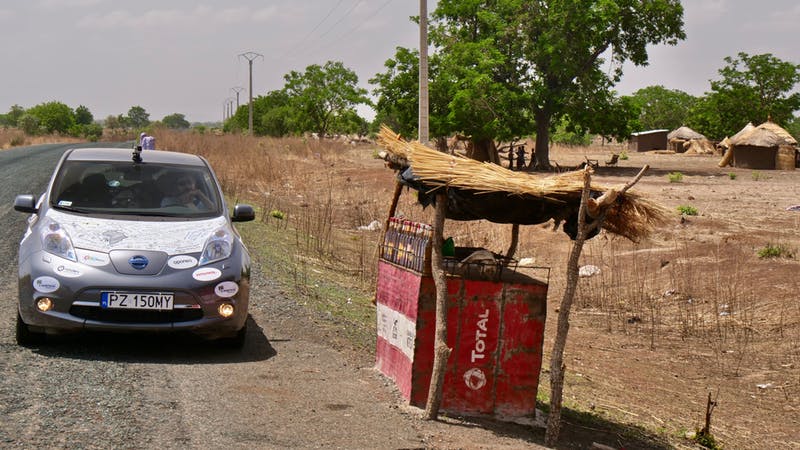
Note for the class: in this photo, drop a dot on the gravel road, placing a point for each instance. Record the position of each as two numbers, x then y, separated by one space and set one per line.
286 389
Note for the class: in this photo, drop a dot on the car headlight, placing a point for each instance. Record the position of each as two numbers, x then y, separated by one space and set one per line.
55 240
218 246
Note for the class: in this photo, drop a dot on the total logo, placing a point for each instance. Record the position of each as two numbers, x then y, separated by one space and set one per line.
475 378
226 289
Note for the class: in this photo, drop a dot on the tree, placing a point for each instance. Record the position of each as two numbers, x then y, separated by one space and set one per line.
321 94
661 108
138 117
549 52
272 116
398 100
751 89
11 119
29 124
54 117
176 121
83 116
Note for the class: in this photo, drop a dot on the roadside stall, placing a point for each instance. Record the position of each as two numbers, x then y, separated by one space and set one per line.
495 309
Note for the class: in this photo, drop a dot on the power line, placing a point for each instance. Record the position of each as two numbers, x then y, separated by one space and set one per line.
313 29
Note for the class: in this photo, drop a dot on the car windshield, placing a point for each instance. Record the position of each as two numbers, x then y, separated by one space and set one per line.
110 187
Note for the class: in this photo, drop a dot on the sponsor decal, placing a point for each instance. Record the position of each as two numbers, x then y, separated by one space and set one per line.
64 203
474 377
182 262
206 274
95 259
226 289
46 285
68 270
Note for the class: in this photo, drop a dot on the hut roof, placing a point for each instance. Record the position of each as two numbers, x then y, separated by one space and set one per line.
685 133
746 129
768 134
633 216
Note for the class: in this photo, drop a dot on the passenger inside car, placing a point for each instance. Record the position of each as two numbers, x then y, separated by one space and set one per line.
185 193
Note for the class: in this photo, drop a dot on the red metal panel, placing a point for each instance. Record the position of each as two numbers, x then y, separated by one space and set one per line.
474 334
495 330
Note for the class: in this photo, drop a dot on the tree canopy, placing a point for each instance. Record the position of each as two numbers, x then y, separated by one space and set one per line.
660 108
515 68
176 121
53 117
321 94
751 89
138 117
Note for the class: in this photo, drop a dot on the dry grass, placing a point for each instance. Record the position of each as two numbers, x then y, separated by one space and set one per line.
691 311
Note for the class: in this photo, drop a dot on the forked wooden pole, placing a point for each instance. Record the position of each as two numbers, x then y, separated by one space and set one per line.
441 352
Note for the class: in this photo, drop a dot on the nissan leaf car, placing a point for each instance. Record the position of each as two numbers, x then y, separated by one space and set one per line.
132 242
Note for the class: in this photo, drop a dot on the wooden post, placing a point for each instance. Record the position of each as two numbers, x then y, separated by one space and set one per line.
512 249
441 352
557 366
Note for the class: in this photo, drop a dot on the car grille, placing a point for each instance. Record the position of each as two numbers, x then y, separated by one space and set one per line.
135 316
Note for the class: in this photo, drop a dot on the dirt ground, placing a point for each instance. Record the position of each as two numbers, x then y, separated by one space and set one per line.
692 311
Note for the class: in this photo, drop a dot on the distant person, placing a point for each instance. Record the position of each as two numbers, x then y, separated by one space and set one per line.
141 139
521 157
511 158
148 142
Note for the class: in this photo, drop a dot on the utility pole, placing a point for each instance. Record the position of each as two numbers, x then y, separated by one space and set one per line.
250 56
423 72
237 89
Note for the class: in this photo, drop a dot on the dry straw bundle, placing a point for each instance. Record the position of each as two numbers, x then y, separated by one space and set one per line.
630 216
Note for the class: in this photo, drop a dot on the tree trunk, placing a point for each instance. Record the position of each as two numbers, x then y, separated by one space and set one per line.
541 159
483 150
441 352
557 366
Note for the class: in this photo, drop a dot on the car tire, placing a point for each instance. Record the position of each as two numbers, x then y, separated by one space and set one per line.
237 340
26 337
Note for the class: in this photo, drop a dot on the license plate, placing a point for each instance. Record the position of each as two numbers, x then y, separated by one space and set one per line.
136 300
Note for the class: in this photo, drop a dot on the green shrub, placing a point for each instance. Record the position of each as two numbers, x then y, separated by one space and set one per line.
776 251
675 177
623 155
758 176
277 214
687 210
732 176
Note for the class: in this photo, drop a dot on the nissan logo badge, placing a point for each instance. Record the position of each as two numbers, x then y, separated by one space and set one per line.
138 262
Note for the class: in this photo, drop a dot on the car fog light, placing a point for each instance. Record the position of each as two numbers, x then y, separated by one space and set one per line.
44 304
225 310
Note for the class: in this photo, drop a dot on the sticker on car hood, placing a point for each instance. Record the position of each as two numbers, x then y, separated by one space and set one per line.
206 274
182 261
68 270
91 258
226 289
103 235
46 285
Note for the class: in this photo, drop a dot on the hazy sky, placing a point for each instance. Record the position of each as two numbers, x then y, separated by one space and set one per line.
181 56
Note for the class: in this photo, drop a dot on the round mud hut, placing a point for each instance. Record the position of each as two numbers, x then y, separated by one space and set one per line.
765 147
677 139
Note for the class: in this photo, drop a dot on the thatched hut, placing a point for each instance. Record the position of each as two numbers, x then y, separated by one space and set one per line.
765 147
676 139
648 140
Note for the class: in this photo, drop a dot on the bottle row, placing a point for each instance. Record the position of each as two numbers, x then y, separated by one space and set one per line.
407 243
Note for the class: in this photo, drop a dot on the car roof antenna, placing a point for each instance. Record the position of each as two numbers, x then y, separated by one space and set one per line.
137 154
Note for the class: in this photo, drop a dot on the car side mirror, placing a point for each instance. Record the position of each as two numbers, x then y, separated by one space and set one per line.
25 203
243 213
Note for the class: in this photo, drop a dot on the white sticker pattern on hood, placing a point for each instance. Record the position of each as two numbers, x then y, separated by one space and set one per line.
104 235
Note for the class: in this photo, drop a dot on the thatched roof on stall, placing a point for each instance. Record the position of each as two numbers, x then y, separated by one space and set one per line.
632 216
746 129
768 134
684 133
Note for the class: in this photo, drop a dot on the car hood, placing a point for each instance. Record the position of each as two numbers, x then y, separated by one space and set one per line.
105 235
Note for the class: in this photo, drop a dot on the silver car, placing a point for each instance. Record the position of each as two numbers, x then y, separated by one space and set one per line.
138 242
